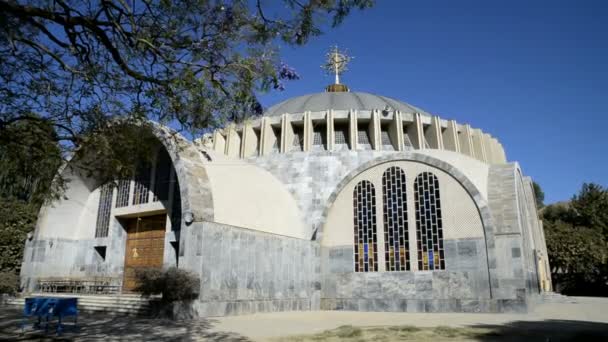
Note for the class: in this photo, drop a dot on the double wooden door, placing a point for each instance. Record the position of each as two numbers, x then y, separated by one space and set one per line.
144 248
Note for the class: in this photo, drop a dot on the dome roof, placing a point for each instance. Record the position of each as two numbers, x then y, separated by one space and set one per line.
339 101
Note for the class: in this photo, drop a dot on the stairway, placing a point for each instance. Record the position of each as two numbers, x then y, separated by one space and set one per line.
122 304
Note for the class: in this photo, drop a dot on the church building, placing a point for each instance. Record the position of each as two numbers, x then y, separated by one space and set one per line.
338 200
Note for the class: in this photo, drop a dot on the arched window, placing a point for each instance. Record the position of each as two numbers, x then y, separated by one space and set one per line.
366 241
396 242
429 226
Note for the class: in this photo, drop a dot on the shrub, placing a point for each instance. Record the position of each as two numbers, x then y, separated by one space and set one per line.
9 283
173 284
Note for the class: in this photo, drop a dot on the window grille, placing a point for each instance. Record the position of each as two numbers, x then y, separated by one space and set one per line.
364 213
386 140
363 138
103 210
162 181
396 241
407 143
319 137
429 225
142 186
341 135
122 197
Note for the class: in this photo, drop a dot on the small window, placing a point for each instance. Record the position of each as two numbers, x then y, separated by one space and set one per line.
386 139
341 135
319 138
363 140
101 253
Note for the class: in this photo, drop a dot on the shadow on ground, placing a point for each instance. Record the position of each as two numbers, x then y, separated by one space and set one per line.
100 327
546 331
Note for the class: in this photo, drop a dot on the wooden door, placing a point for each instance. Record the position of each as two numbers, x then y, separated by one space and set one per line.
144 248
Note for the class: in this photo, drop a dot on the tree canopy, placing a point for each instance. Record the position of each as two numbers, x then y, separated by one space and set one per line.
577 241
75 65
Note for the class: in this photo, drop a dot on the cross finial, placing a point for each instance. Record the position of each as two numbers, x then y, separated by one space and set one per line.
336 62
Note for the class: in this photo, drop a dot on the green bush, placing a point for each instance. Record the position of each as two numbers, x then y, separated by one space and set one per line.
9 283
173 284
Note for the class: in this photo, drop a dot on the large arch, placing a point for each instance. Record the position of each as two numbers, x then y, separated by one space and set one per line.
194 187
470 188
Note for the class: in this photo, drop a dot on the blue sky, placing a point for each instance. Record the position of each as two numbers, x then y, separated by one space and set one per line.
534 74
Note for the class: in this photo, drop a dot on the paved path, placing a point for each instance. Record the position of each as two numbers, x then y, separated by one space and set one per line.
586 314
263 326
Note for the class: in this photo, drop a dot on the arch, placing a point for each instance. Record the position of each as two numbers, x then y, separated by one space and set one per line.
194 186
470 188
394 210
365 228
429 224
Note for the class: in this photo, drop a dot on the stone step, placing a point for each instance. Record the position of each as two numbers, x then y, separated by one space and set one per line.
119 304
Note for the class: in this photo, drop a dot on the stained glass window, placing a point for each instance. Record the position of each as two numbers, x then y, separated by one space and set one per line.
429 225
364 214
396 242
122 197
103 210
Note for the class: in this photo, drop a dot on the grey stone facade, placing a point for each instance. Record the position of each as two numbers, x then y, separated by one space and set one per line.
245 271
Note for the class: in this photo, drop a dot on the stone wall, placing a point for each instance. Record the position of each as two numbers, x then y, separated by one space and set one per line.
515 255
68 258
245 271
463 287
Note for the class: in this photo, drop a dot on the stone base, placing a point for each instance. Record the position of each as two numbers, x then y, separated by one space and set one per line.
427 305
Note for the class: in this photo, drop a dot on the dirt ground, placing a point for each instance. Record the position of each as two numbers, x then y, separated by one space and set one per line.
579 318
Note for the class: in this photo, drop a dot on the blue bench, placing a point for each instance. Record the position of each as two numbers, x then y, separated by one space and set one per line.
47 307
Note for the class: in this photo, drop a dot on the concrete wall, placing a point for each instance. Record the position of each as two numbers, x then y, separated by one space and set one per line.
245 271
516 225
255 194
77 258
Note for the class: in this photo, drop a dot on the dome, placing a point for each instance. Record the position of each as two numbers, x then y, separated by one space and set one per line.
340 101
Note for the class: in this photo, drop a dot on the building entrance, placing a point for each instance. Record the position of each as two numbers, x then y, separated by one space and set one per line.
144 248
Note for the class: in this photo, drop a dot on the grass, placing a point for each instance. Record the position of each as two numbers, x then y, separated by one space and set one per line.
392 333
